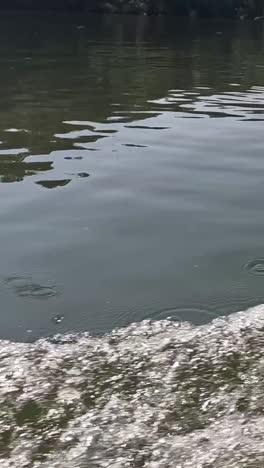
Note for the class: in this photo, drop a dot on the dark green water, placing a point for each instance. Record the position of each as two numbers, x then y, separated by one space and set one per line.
132 168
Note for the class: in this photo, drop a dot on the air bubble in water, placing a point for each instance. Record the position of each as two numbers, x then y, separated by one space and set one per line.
58 319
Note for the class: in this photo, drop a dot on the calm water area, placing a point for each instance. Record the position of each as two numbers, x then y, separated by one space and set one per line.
131 171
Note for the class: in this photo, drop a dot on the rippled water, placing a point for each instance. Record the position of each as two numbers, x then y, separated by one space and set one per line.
131 168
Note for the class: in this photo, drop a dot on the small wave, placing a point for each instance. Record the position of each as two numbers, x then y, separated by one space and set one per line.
158 394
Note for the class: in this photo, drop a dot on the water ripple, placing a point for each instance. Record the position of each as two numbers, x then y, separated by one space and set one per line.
255 267
17 144
26 287
187 314
240 104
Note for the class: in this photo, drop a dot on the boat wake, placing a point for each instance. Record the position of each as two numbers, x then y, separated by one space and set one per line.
154 394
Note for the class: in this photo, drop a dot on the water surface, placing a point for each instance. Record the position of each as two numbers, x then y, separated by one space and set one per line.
131 168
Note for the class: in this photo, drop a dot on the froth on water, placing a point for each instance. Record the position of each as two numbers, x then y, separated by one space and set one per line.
154 394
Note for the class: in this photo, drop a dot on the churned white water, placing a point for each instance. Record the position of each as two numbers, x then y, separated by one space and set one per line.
155 394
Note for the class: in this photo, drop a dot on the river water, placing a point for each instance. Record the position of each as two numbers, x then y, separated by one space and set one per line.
131 167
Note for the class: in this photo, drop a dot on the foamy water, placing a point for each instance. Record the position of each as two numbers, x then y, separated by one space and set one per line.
154 394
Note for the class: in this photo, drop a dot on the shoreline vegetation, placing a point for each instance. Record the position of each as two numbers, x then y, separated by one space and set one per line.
240 9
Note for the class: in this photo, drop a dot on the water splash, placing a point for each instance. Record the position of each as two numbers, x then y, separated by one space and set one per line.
154 395
57 319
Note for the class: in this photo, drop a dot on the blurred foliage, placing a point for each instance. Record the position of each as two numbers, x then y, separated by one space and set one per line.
204 8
